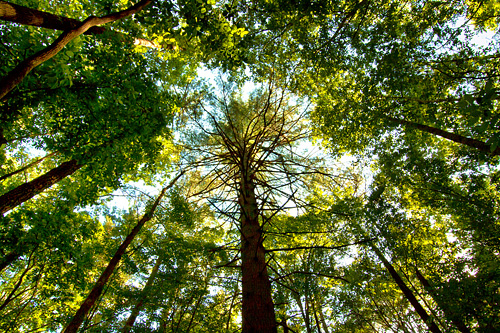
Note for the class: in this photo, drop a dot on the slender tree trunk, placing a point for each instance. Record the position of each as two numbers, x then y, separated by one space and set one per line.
407 292
12 295
103 279
231 309
308 317
458 322
26 167
184 309
144 294
28 190
165 314
196 307
484 147
303 311
27 16
257 308
315 313
322 316
15 76
379 310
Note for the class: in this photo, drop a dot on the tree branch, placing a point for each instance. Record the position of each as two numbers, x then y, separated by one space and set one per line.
319 246
15 76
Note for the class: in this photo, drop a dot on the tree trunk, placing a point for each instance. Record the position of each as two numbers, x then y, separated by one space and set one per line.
484 147
407 292
103 279
144 294
315 313
15 76
231 309
303 311
12 295
257 308
196 308
28 190
307 318
27 16
457 321
322 316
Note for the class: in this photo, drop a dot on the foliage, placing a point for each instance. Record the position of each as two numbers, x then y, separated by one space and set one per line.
402 97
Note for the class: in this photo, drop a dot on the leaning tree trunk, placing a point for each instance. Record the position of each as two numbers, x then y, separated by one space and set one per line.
257 308
480 145
144 294
28 190
407 292
449 313
15 76
103 279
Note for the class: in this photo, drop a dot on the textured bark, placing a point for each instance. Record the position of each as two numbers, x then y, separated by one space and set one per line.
459 324
407 292
103 279
480 145
257 308
28 190
144 294
27 16
15 76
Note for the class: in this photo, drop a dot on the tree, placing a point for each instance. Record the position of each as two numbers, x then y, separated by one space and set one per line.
466 216
28 190
249 153
400 236
103 279
57 256
370 66
407 292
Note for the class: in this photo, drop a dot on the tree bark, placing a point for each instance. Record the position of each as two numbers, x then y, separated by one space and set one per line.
27 16
458 322
103 279
407 292
480 145
138 306
15 76
28 190
257 308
